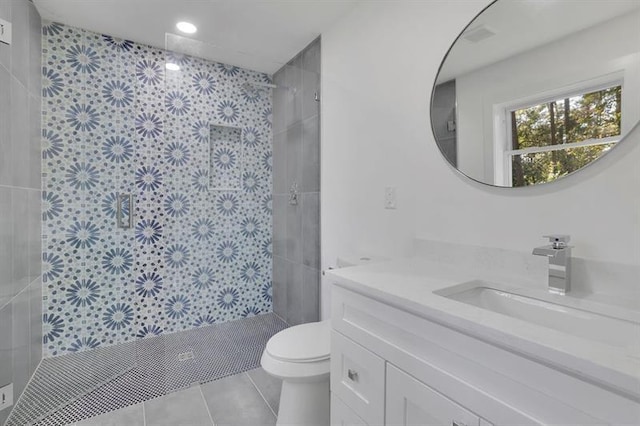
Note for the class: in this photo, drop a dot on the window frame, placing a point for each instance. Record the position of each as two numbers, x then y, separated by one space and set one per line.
503 153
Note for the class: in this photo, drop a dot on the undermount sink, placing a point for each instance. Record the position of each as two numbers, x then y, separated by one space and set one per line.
603 323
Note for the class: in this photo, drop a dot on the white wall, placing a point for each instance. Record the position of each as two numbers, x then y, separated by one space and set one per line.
609 49
378 65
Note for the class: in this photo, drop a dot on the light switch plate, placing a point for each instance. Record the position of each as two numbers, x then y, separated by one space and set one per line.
6 396
390 201
5 31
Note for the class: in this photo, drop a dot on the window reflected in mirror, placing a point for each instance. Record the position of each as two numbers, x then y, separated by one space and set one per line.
552 139
532 91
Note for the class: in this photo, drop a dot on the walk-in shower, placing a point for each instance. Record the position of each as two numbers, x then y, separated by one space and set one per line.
156 171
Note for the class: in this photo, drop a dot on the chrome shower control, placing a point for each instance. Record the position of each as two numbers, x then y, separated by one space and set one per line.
124 207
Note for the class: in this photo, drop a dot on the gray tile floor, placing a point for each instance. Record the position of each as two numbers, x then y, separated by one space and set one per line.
71 388
245 399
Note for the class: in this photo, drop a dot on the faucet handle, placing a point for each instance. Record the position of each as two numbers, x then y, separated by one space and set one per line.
558 241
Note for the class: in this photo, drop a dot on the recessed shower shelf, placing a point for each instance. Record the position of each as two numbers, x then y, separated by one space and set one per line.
225 158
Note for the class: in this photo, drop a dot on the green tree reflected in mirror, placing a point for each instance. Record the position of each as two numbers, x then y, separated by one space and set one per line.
594 117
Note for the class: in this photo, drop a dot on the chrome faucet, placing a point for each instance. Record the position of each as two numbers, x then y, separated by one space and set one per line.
559 254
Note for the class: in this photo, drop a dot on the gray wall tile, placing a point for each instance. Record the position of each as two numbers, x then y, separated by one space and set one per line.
294 232
311 79
20 341
311 155
34 142
280 184
6 162
311 56
294 293
20 40
280 287
35 51
310 87
34 233
311 229
293 147
293 94
20 246
19 134
6 247
6 344
235 401
310 294
35 324
20 220
279 101
280 204
296 158
21 370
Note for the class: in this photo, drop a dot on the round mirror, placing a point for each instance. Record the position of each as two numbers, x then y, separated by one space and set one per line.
533 90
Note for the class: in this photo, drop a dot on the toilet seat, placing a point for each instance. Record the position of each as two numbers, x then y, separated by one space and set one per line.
302 343
299 353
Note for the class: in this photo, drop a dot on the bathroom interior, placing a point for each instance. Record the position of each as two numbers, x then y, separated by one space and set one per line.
274 213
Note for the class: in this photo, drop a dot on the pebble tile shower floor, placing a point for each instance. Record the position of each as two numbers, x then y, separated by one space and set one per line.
73 387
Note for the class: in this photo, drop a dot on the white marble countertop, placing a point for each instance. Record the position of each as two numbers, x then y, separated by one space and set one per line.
408 284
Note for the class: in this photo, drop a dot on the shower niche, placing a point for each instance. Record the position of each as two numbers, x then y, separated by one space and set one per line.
225 158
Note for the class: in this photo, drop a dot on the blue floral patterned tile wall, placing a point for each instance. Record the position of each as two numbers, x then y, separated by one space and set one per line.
115 121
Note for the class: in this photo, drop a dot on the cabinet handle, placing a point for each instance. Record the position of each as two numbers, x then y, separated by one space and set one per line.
455 423
353 376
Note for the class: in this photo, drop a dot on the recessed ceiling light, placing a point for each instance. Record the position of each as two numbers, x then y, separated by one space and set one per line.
186 27
172 67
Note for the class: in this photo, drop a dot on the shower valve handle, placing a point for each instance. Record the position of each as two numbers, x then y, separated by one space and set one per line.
122 200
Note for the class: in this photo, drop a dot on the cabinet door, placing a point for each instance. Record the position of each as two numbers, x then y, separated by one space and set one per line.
410 402
341 415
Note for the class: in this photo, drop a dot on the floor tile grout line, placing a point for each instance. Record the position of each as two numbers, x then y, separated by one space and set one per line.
206 405
261 395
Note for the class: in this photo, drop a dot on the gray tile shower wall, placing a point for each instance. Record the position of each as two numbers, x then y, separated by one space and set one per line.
296 161
20 195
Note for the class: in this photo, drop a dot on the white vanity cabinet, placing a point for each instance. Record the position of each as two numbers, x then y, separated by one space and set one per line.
390 366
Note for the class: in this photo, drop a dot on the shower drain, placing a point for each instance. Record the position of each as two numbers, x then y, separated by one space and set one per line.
185 356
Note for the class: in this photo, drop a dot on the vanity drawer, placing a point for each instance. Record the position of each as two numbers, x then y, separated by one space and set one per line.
410 402
357 378
341 415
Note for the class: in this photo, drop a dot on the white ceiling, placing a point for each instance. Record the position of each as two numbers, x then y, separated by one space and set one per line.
257 34
522 25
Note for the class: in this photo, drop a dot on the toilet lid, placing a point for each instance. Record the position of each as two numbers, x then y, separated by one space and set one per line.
301 343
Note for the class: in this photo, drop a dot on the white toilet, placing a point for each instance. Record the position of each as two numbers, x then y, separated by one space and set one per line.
300 356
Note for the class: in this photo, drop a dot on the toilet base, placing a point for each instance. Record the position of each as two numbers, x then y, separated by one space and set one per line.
304 403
